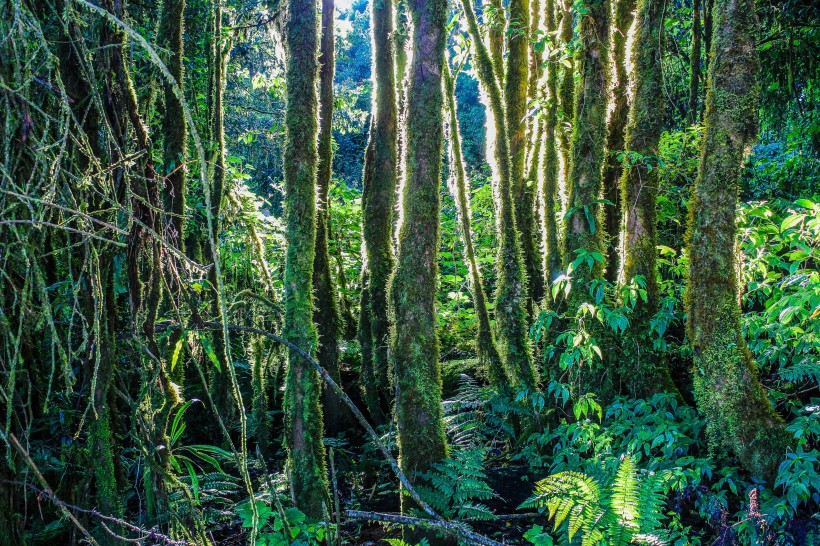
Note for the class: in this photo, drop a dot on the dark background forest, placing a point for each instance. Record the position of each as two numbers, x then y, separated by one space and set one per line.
410 272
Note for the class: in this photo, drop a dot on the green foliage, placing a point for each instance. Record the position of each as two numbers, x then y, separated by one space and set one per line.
284 527
455 486
620 509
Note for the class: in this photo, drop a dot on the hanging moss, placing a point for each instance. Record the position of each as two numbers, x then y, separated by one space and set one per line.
377 207
303 414
728 392
488 357
326 314
615 136
413 286
511 318
644 375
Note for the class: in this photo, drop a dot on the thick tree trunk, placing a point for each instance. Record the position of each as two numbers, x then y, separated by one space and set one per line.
378 205
727 389
303 414
413 287
511 289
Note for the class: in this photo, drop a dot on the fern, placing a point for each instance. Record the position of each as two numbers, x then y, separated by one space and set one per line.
454 486
623 509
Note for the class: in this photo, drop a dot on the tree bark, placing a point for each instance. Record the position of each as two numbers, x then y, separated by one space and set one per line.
727 389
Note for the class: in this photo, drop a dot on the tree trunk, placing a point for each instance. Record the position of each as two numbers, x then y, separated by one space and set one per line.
639 185
513 340
566 92
615 137
326 314
378 205
413 287
515 95
728 392
694 63
488 357
549 189
303 414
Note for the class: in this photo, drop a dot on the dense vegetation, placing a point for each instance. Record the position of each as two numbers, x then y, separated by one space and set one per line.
415 272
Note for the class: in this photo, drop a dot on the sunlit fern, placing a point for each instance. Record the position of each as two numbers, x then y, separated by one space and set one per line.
623 509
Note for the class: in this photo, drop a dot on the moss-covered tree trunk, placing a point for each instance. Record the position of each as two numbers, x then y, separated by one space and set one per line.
516 84
583 230
326 314
174 128
413 286
728 392
511 289
566 90
645 374
303 414
549 188
378 205
615 136
488 356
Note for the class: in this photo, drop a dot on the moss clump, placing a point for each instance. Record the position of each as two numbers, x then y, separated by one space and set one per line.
727 388
303 414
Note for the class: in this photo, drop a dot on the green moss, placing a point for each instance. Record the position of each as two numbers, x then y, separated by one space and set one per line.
303 414
727 389
174 127
413 286
566 91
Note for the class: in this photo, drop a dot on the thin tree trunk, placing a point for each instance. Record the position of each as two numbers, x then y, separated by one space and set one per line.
727 389
377 222
615 137
513 340
303 414
566 92
694 63
549 189
515 95
326 314
488 357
